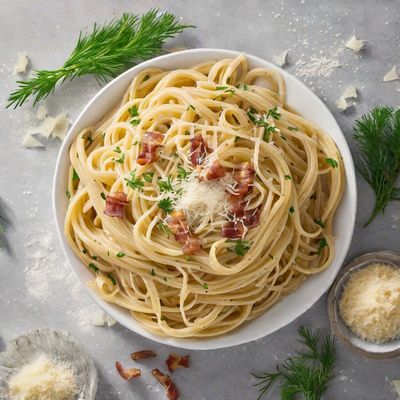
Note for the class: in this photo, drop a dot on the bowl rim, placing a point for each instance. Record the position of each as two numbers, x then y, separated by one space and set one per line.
212 342
385 257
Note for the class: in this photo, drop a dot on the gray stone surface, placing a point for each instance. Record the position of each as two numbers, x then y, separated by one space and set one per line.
36 287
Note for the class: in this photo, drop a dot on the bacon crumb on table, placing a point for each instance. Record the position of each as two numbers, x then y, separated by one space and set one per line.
166 381
143 354
127 373
175 361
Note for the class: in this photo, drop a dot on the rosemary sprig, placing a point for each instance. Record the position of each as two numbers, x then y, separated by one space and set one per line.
105 52
305 374
378 136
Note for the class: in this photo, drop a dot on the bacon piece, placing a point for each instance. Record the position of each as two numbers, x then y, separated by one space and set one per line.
198 150
179 227
215 171
244 177
115 205
175 361
166 381
233 230
127 373
151 141
251 218
143 354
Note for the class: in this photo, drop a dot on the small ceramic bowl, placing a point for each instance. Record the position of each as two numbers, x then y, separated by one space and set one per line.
58 346
381 351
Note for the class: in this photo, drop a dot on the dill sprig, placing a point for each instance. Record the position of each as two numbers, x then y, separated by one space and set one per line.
378 136
305 374
105 52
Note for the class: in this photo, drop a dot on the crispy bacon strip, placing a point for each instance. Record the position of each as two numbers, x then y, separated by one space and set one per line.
244 177
215 171
175 361
127 373
166 381
198 150
178 225
232 230
143 354
151 141
115 205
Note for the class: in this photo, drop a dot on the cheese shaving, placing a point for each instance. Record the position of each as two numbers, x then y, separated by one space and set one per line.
102 319
41 113
281 58
392 75
42 379
61 125
30 142
355 44
202 200
52 126
370 303
22 64
349 93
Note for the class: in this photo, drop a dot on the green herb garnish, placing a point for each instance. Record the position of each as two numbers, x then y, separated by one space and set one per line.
105 52
93 267
205 286
221 87
112 279
135 121
166 205
165 185
320 223
121 159
164 228
75 176
148 176
288 177
117 149
120 254
133 182
274 113
291 210
241 246
322 243
378 136
192 107
133 111
293 128
152 272
103 196
182 173
307 373
68 194
333 163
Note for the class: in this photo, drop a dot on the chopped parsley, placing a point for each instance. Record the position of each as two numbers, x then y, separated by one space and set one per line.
244 86
112 279
165 185
241 246
293 128
120 254
192 107
182 173
261 121
93 267
75 176
121 159
135 121
133 182
146 78
68 194
322 243
164 228
205 286
148 176
166 205
291 210
94 257
333 163
136 142
288 177
221 87
103 196
117 149
273 112
133 111
152 272
320 223
284 137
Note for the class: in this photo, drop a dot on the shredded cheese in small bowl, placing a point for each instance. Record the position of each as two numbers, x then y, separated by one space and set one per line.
364 305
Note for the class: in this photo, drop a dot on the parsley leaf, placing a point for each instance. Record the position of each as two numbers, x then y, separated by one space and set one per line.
75 176
333 163
148 176
205 286
322 243
288 177
93 267
273 112
121 159
103 196
68 194
320 223
182 173
133 111
112 279
165 185
133 182
291 210
120 254
241 246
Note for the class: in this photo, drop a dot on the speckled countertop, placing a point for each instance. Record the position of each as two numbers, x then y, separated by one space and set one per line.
36 287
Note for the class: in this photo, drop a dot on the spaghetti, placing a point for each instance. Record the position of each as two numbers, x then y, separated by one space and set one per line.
202 198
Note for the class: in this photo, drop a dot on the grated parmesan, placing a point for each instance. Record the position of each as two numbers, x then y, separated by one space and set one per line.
202 200
42 379
22 64
370 303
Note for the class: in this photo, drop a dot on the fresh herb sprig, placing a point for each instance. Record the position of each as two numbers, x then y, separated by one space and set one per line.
378 136
105 52
307 373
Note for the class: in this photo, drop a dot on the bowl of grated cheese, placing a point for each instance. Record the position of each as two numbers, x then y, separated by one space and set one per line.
364 305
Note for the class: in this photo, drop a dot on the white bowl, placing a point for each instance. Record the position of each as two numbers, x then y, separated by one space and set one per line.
290 307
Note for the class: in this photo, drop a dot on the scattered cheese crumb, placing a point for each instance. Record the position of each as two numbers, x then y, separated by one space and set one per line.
30 142
281 59
370 303
396 384
42 379
392 75
41 113
355 44
317 67
52 126
102 319
60 126
22 64
350 93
